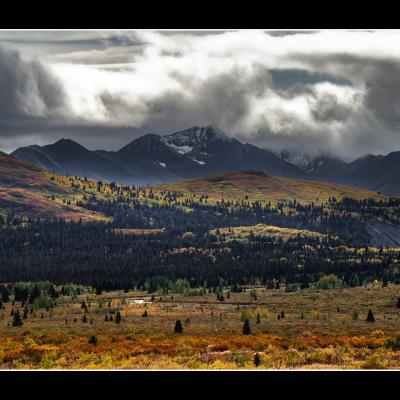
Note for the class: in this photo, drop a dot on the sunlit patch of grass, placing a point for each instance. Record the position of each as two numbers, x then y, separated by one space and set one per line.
243 232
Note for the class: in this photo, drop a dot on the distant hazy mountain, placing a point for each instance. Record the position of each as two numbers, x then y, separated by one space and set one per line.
323 167
378 173
197 151
301 160
67 157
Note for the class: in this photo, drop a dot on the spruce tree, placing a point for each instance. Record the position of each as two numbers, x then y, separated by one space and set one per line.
118 318
144 314
84 319
178 327
398 302
257 359
25 315
17 321
93 340
370 316
258 318
106 318
246 327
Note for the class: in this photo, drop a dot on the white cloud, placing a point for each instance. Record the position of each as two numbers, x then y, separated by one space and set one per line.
153 80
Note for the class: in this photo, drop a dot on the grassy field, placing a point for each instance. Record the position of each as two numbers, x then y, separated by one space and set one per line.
257 186
320 329
261 230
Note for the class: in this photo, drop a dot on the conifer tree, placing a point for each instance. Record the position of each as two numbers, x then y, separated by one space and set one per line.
84 319
118 318
178 327
370 316
258 318
246 327
398 302
93 340
25 315
17 321
257 359
144 314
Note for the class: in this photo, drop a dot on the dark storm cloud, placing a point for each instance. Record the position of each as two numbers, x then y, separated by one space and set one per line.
328 108
381 78
223 100
376 128
30 96
291 90
26 87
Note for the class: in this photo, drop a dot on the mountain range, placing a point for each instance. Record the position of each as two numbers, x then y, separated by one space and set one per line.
201 151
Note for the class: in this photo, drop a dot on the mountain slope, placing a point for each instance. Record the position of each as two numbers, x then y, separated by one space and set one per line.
26 190
377 173
151 158
214 152
324 167
257 186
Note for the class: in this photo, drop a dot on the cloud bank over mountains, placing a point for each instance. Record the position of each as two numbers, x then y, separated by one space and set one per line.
330 91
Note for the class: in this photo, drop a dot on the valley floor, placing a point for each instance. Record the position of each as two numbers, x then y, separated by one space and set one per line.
320 329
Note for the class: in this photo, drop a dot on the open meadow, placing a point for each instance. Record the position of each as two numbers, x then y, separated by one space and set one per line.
308 328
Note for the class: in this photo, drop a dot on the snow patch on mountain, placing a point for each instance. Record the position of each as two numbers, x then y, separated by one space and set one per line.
195 138
179 149
198 162
162 164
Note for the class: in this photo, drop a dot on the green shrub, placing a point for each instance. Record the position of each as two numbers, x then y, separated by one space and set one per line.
329 282
291 288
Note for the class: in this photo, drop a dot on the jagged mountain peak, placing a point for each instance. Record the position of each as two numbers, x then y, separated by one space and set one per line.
196 139
197 134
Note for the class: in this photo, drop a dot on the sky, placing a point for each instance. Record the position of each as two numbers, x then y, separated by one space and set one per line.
335 92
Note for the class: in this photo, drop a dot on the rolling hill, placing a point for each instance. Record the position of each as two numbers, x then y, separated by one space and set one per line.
27 190
257 186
